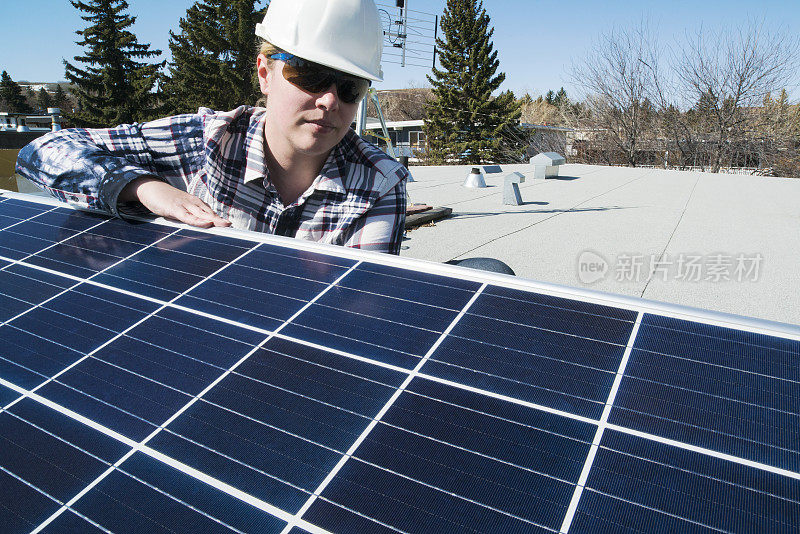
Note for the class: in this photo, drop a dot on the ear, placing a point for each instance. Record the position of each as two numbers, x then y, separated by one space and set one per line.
264 73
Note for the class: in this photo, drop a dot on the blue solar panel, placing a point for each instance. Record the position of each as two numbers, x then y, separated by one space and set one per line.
630 474
156 378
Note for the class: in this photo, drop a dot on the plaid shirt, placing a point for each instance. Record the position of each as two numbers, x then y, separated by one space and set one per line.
358 200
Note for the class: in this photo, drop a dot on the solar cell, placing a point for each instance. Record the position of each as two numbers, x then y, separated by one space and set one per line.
264 288
158 378
71 522
629 472
24 287
713 390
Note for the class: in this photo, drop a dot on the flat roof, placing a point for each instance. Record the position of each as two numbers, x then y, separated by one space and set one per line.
375 124
714 241
545 127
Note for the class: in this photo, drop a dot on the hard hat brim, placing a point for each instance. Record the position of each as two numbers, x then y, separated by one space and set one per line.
327 59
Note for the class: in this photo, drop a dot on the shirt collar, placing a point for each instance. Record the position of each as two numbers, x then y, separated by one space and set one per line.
256 165
333 171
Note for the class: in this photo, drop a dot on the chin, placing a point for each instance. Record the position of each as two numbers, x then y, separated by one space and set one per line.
316 147
319 143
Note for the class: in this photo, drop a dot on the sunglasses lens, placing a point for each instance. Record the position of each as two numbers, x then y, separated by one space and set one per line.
308 77
352 90
316 78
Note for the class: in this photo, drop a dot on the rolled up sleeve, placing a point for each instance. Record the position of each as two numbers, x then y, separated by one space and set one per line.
90 167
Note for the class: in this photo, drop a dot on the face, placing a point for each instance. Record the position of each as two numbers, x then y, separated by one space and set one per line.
300 121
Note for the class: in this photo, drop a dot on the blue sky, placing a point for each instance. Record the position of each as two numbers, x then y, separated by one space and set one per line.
537 40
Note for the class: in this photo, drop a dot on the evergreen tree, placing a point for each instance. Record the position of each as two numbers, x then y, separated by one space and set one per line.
30 98
561 98
60 98
11 95
43 100
464 121
115 85
213 56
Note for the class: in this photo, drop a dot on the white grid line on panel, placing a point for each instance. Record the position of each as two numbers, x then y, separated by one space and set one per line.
179 501
30 219
121 470
506 398
651 509
612 395
67 290
141 445
381 413
707 452
523 383
63 241
542 429
455 496
365 516
725 320
45 494
465 387
725 367
435 379
21 261
111 469
715 478
163 458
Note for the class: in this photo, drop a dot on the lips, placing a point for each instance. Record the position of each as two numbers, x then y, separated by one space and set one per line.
325 125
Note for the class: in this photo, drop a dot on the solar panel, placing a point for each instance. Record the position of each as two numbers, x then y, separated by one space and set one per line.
159 378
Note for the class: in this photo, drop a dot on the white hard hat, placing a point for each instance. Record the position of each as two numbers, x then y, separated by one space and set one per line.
345 35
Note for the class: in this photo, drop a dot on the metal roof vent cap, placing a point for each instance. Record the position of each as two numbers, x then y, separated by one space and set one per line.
474 179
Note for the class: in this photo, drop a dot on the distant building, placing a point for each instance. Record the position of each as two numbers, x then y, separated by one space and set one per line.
23 122
408 138
19 129
545 138
36 87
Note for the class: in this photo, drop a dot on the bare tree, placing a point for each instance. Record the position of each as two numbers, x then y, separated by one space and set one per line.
728 71
676 128
776 137
618 77
539 111
404 104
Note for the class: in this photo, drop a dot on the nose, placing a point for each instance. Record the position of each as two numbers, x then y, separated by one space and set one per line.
329 99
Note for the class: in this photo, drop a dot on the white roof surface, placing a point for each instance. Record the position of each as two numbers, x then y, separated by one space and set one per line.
720 242
375 124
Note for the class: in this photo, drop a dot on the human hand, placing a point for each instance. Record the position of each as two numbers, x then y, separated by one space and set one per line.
162 199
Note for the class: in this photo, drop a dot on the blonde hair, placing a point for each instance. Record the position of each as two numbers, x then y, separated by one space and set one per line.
268 49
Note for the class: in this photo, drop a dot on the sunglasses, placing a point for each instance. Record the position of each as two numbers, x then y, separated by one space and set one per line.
316 78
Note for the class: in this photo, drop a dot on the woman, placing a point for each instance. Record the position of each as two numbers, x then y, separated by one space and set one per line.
292 168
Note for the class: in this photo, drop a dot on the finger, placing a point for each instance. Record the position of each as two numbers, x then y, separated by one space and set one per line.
203 213
182 213
192 219
202 210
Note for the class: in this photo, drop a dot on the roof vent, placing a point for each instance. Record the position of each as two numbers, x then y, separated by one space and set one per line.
474 179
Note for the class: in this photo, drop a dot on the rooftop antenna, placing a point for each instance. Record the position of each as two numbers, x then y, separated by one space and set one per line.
409 39
409 36
401 34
